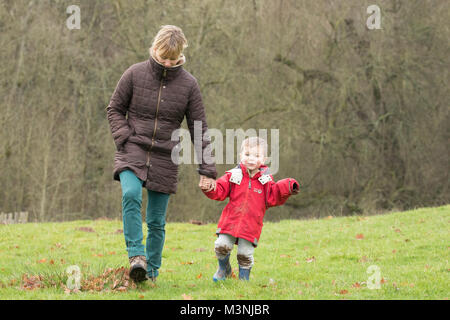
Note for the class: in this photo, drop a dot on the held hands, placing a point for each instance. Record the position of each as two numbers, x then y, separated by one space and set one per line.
207 184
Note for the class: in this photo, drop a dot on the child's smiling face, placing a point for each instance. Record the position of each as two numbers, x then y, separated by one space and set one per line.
253 157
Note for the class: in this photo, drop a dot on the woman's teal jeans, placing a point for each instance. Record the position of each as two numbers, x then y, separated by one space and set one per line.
132 221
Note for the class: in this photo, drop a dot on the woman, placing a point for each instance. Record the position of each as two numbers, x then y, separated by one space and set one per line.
149 103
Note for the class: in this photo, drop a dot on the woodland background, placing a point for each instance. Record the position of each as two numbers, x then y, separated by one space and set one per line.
363 114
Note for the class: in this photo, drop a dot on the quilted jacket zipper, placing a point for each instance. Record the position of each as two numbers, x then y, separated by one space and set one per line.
156 117
244 205
245 202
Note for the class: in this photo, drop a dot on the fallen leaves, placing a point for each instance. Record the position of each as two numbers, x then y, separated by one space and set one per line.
118 231
186 296
197 222
407 284
30 282
85 229
58 245
110 280
51 261
363 259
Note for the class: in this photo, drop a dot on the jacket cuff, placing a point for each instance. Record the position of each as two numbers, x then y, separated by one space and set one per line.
294 186
207 173
288 187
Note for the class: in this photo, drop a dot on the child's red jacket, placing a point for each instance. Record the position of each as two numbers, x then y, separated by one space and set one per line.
243 216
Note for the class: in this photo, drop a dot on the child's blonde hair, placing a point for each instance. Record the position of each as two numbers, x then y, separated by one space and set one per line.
253 142
170 42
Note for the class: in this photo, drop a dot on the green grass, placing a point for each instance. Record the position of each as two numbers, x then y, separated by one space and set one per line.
411 250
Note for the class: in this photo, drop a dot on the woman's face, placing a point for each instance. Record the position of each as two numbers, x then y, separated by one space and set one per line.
166 62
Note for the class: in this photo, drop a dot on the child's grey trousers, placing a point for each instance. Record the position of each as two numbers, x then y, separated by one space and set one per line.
224 244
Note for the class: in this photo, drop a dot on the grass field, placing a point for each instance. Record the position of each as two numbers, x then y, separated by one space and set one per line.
309 259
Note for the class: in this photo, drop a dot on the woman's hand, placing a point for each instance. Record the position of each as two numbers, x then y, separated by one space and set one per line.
207 184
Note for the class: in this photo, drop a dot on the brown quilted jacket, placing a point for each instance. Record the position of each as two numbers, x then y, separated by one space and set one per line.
148 104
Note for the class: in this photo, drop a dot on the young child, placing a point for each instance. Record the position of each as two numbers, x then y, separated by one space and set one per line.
251 190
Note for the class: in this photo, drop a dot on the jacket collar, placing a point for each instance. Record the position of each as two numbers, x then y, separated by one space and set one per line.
160 71
262 170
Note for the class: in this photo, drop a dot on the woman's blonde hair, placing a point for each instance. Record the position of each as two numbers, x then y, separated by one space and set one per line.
170 42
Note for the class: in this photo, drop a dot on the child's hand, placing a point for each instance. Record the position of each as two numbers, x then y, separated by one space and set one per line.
207 184
212 186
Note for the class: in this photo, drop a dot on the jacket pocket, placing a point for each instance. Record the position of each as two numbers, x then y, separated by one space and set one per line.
122 145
